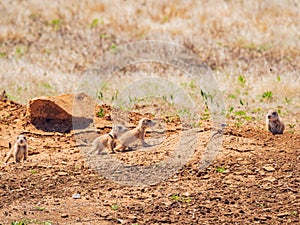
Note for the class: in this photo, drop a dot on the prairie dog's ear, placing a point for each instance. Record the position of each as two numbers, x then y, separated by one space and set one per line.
9 145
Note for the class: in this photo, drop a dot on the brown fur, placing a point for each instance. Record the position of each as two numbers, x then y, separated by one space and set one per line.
274 124
107 140
19 150
131 136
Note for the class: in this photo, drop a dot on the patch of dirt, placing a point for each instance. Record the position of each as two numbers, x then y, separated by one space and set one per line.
255 179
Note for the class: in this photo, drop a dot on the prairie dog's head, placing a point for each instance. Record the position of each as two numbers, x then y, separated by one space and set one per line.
146 123
21 140
272 115
118 130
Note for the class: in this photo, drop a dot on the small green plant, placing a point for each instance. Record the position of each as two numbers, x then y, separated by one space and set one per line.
114 207
197 124
205 97
240 113
20 51
257 110
2 54
46 85
115 96
232 96
38 208
56 24
103 36
114 48
179 198
99 95
94 23
47 51
278 78
28 221
288 101
291 126
220 169
101 113
219 43
251 46
263 48
33 171
242 81
294 213
205 116
182 112
279 110
192 85
241 117
267 95
242 102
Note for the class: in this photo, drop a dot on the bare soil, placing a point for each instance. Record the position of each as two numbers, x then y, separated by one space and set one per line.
254 180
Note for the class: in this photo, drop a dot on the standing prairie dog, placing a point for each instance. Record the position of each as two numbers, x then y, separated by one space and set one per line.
107 140
132 135
19 150
273 122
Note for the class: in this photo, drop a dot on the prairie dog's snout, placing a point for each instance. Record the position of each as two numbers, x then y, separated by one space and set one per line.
147 123
272 115
21 140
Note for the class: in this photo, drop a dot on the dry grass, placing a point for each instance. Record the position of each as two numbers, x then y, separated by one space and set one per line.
46 46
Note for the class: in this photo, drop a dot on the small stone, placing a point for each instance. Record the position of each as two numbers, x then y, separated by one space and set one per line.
269 168
64 215
216 198
186 194
62 173
132 217
121 221
270 179
76 196
205 177
261 218
281 215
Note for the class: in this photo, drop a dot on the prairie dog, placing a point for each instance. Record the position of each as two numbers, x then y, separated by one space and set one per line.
132 135
107 140
19 150
274 123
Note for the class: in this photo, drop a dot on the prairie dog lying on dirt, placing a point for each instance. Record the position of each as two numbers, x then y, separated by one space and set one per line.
107 140
134 134
273 122
19 150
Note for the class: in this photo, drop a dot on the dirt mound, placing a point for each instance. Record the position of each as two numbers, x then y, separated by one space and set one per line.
57 113
255 179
